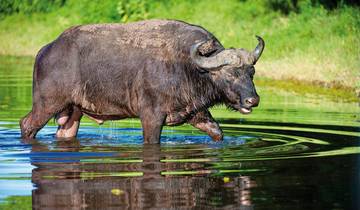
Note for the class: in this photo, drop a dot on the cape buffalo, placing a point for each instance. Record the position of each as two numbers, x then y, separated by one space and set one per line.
162 71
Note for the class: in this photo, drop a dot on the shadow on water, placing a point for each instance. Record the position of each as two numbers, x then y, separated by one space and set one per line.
292 153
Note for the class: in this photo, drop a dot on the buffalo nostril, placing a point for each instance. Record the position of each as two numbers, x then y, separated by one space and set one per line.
252 101
249 101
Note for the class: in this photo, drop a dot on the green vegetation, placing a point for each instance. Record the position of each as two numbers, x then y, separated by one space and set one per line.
16 202
333 91
307 40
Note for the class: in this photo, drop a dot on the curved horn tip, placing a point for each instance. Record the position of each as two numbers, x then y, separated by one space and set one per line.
259 48
259 38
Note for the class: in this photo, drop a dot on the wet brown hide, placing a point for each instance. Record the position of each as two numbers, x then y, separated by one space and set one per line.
142 69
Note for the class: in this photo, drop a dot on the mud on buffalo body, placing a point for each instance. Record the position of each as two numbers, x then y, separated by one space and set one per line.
162 71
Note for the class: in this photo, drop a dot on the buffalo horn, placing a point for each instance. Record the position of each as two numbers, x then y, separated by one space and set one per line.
259 48
223 58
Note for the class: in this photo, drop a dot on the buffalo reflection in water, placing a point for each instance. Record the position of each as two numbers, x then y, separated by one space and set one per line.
64 179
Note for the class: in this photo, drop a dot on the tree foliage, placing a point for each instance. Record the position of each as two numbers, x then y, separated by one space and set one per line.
132 10
28 6
288 6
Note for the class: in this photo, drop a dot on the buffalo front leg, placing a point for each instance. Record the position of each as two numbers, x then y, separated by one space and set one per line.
152 123
206 123
69 121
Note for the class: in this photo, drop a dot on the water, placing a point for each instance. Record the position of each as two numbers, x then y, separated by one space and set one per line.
293 152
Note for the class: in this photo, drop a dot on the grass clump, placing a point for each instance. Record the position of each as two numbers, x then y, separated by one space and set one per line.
16 202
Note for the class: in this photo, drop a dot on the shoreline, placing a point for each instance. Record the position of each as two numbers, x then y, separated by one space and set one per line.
333 91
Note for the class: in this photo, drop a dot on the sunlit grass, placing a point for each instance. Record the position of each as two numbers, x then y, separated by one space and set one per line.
16 202
313 45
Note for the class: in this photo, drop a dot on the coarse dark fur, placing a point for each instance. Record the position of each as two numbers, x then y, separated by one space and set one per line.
142 69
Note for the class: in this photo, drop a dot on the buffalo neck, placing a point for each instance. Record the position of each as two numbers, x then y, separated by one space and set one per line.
205 93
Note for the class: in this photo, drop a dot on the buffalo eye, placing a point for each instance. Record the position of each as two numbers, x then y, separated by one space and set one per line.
251 71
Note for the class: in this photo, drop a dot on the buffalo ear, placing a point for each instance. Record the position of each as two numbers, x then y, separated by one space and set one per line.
207 48
212 62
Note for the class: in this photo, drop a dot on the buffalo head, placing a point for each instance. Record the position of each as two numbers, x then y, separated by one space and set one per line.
233 71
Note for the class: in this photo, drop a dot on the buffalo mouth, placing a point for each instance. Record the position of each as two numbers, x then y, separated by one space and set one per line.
241 109
244 110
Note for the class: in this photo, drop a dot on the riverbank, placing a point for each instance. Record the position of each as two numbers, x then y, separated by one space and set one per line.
332 91
307 45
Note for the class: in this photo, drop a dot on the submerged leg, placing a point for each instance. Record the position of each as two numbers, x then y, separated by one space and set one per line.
71 126
205 122
40 114
152 123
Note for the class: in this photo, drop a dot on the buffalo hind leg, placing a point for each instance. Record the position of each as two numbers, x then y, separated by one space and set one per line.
206 123
69 121
36 119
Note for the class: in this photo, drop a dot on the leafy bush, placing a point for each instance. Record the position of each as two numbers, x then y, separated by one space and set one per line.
96 11
132 10
284 6
28 6
101 11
